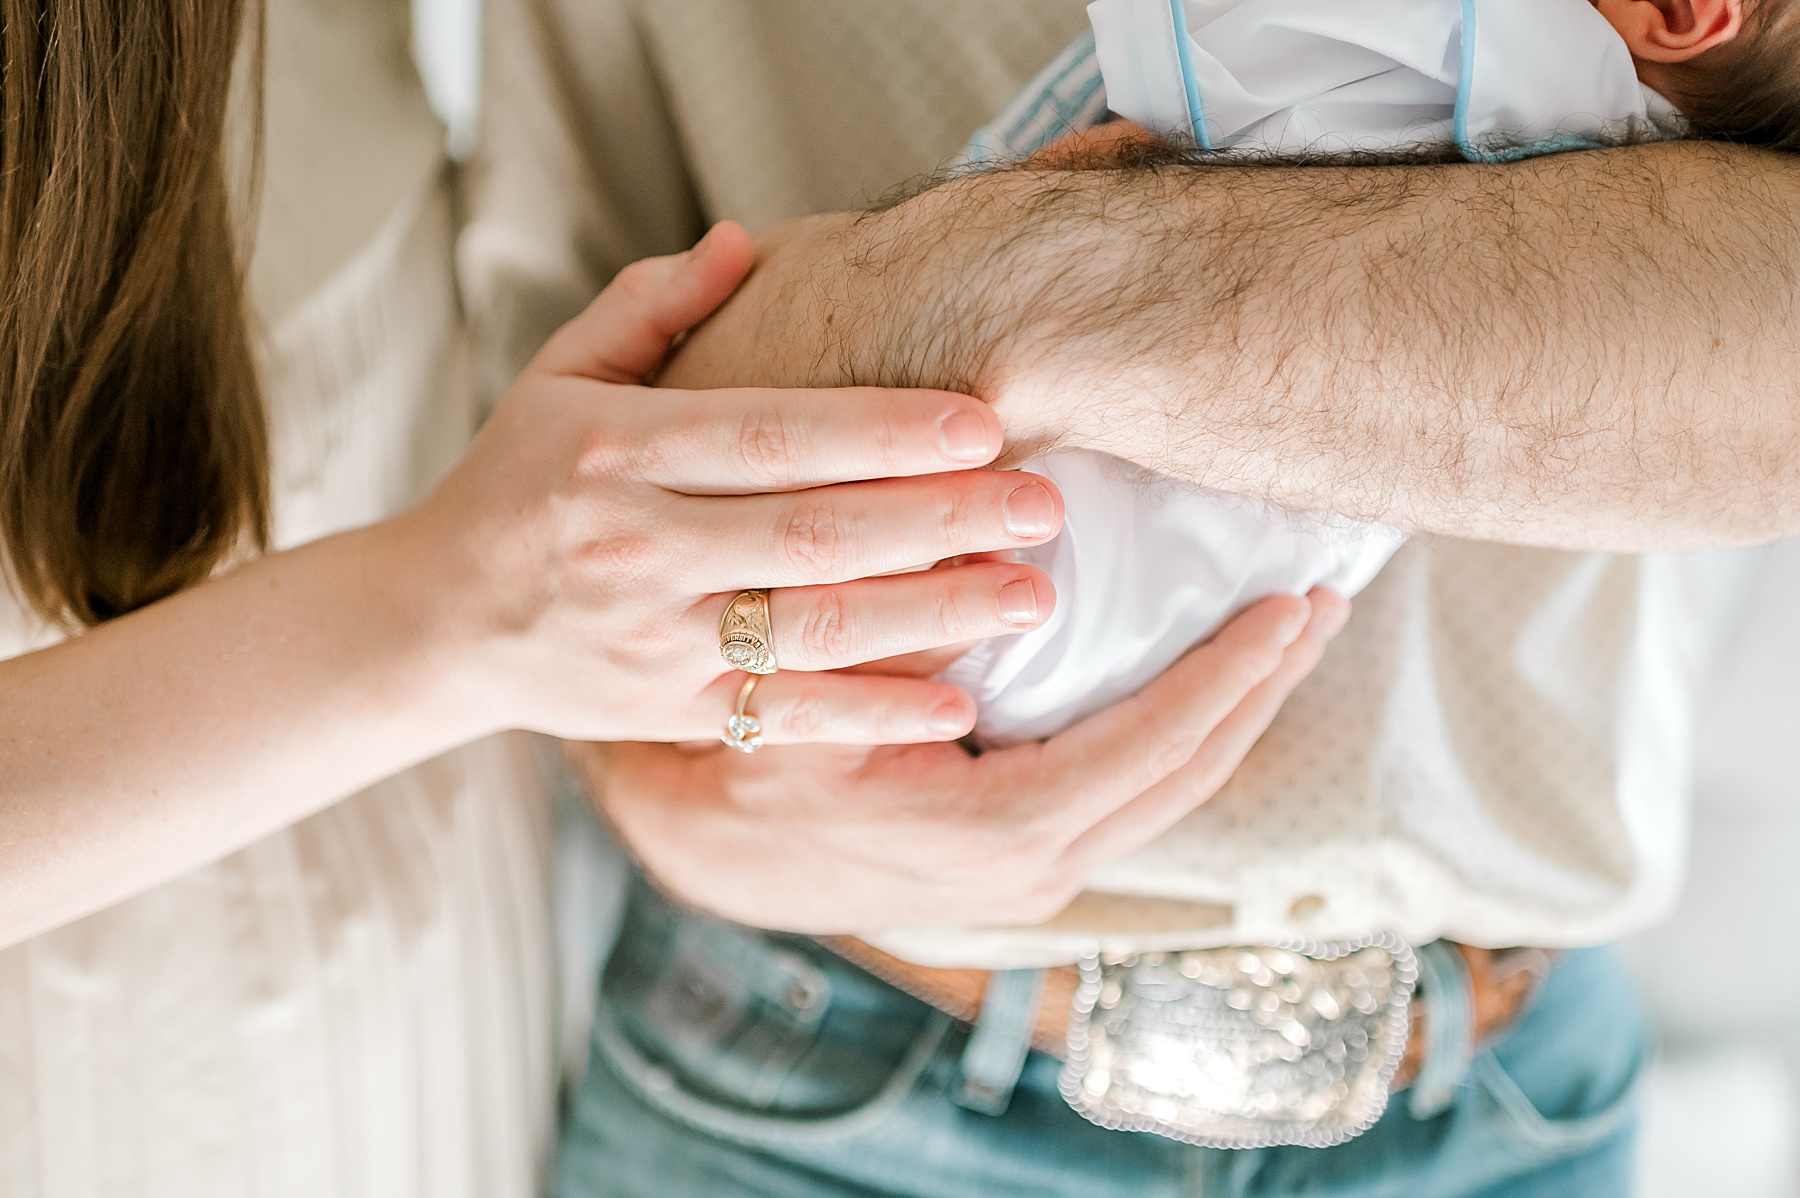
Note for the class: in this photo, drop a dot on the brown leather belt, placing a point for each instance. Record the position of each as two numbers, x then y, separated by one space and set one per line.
1501 980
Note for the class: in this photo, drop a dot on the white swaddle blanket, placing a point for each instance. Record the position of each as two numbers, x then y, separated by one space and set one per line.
1146 566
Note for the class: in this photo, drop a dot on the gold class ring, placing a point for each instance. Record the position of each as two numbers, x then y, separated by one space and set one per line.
743 731
746 639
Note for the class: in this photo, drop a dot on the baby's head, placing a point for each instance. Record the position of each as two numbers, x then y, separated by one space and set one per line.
1731 66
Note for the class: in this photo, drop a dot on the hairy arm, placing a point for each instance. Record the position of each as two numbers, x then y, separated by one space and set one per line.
1596 350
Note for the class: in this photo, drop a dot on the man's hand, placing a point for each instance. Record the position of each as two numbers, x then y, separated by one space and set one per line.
1597 350
827 840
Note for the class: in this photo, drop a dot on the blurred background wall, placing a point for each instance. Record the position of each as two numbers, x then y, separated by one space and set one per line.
1721 977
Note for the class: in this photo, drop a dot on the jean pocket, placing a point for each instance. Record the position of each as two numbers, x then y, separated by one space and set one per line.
760 1038
1531 1132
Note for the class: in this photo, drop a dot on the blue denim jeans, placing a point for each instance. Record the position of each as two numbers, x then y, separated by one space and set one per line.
731 1062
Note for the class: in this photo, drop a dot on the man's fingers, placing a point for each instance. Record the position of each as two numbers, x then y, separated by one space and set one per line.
856 530
625 333
830 627
1152 813
1118 754
796 707
746 440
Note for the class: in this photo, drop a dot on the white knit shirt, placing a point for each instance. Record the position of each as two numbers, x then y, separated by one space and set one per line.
1498 747
1147 567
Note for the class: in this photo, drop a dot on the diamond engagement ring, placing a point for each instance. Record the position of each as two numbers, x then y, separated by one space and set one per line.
743 731
746 639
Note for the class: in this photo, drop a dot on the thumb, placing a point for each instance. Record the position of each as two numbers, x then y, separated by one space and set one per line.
1117 754
626 332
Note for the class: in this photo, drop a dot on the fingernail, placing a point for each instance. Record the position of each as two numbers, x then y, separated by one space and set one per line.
1018 603
1293 625
964 437
1030 511
948 719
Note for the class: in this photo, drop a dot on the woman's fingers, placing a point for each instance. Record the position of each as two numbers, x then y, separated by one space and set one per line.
1112 757
748 440
626 332
797 707
830 627
855 530
1150 814
923 664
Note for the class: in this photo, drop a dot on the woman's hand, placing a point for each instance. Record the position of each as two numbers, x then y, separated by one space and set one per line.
584 551
568 576
844 840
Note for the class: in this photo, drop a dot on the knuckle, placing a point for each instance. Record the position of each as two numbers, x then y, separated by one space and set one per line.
951 616
603 453
804 718
657 450
892 724
623 555
1165 754
825 632
766 448
813 539
957 518
897 720
888 444
637 280
1257 663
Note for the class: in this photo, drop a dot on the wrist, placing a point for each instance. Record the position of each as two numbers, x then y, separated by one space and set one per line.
960 289
415 613
779 329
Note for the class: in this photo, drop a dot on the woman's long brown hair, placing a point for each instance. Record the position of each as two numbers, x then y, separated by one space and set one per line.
133 446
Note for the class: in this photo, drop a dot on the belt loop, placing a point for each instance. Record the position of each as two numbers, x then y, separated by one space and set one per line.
1449 1029
1002 1037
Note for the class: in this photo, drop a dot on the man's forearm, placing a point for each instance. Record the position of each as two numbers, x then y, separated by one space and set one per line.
1595 350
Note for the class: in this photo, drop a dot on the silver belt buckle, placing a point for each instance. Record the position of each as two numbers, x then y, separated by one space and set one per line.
1242 1047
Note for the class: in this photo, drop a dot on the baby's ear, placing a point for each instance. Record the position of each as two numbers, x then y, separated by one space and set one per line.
1673 30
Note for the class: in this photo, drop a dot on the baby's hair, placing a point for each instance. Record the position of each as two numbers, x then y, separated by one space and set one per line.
1748 89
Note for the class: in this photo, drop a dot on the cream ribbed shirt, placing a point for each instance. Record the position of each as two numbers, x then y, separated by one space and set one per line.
360 1005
